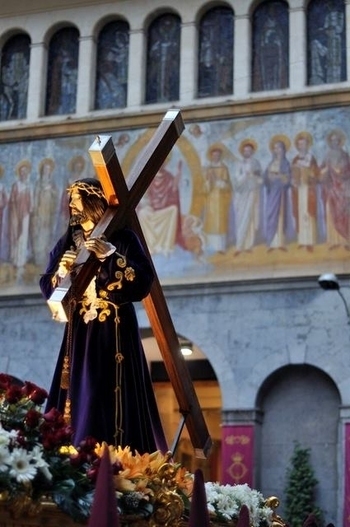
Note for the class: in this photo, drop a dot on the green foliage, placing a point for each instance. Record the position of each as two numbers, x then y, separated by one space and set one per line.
300 489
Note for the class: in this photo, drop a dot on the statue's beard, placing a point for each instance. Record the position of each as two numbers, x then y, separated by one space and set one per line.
78 218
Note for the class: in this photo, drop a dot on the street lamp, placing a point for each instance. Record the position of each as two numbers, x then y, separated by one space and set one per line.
329 281
186 347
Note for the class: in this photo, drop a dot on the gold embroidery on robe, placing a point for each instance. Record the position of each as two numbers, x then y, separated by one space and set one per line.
102 304
128 274
98 305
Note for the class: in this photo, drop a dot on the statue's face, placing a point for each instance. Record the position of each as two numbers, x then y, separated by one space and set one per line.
77 213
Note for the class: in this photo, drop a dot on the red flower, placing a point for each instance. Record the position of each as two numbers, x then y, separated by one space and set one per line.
13 394
77 460
55 432
5 381
21 439
32 418
88 445
34 393
49 441
54 417
63 435
28 388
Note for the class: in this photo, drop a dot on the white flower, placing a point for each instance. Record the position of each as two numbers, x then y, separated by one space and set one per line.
21 467
6 436
39 461
226 501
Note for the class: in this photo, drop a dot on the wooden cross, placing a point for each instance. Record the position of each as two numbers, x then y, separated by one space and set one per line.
127 193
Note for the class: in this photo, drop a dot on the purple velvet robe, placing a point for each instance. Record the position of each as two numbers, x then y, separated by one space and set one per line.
93 363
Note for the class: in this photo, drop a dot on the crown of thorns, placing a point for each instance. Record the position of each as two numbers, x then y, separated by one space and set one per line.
89 189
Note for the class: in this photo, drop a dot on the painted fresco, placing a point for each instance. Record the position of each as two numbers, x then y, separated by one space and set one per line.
237 199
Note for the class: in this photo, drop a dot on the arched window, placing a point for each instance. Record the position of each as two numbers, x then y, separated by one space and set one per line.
326 45
112 66
270 46
62 72
163 60
215 53
14 78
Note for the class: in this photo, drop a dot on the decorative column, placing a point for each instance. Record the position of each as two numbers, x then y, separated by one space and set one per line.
242 56
137 68
346 513
297 49
37 83
343 505
188 62
86 75
238 447
347 32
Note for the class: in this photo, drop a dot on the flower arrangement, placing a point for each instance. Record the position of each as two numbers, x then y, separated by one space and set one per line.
225 502
38 463
36 457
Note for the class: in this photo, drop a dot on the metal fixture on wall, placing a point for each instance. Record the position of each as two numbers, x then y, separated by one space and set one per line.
329 281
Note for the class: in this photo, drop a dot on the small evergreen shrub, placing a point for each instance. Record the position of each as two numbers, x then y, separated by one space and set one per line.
300 489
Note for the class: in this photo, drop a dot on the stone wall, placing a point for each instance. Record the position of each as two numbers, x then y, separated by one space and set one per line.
247 332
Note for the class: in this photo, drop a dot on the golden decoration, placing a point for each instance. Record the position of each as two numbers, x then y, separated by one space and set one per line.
237 469
119 357
65 373
163 482
121 261
100 303
118 283
23 505
4 496
129 274
237 439
168 510
67 411
104 314
273 502
167 514
168 506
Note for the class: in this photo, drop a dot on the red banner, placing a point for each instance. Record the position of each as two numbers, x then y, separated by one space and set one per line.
237 454
346 521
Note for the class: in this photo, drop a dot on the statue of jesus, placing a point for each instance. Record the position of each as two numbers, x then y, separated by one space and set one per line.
101 377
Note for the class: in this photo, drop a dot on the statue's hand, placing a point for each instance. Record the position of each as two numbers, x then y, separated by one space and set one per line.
66 263
100 247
